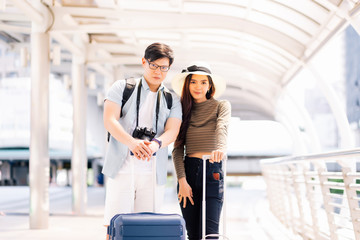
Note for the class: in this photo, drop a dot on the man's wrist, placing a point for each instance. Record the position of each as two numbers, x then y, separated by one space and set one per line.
158 141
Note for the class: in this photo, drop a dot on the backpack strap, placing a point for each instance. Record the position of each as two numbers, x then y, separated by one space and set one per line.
168 98
128 90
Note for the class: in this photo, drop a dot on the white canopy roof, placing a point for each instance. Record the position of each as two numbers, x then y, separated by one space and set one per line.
257 45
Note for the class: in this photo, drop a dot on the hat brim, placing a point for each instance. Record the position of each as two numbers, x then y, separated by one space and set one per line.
177 82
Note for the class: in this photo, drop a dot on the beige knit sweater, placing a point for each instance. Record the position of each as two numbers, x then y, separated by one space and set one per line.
207 131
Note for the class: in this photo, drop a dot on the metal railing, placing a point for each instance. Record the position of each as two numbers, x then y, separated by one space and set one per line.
316 196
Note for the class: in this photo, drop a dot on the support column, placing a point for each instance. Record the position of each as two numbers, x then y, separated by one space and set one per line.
53 168
39 140
79 156
94 166
5 170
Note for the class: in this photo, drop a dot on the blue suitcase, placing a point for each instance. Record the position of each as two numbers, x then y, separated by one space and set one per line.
146 225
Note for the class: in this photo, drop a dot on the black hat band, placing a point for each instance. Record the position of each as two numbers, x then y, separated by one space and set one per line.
195 68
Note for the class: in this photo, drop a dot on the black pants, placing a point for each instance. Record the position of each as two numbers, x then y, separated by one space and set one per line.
214 197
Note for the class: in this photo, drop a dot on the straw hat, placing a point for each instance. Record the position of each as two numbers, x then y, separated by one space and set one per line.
198 68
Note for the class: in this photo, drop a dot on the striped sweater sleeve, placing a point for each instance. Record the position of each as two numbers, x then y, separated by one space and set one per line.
178 158
222 125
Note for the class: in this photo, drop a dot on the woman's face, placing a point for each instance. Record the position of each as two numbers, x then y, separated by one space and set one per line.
198 87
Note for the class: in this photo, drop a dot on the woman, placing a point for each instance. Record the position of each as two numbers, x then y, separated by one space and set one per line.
203 132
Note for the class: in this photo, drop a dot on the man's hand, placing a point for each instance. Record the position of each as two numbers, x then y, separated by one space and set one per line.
140 149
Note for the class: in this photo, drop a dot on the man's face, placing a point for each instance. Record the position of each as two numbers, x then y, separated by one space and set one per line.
155 71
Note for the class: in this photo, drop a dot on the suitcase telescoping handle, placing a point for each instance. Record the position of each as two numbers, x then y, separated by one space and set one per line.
205 159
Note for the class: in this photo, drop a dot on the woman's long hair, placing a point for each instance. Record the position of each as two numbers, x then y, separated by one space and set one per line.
187 102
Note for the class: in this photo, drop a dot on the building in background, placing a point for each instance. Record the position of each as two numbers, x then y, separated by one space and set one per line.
353 81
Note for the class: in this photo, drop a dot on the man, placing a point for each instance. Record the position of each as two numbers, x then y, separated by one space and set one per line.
127 155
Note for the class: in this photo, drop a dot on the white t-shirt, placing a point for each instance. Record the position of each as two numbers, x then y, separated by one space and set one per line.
146 114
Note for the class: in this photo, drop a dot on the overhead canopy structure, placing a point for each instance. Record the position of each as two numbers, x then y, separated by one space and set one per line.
258 46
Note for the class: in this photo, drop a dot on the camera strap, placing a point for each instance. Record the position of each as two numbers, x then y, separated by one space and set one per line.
138 106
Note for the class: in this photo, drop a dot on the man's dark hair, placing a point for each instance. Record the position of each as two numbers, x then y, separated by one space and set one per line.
156 51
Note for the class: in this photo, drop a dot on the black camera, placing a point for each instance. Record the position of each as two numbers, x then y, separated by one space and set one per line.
144 133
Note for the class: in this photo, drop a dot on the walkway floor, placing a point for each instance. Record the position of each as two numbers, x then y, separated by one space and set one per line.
248 217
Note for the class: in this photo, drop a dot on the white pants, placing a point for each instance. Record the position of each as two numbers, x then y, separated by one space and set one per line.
120 198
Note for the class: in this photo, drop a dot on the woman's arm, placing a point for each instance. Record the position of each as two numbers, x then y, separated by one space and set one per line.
178 158
221 132
185 190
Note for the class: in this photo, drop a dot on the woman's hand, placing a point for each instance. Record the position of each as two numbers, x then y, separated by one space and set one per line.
185 191
216 156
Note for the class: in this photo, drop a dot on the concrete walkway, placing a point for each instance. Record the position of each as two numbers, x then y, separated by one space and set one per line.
248 217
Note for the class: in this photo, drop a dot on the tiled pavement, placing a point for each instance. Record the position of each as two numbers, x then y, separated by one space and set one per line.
247 213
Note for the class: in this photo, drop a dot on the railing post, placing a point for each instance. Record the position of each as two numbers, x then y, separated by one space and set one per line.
281 196
352 199
321 170
324 189
288 191
310 185
297 190
272 176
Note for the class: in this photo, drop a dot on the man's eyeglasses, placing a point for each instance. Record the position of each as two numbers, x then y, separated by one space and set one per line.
154 66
